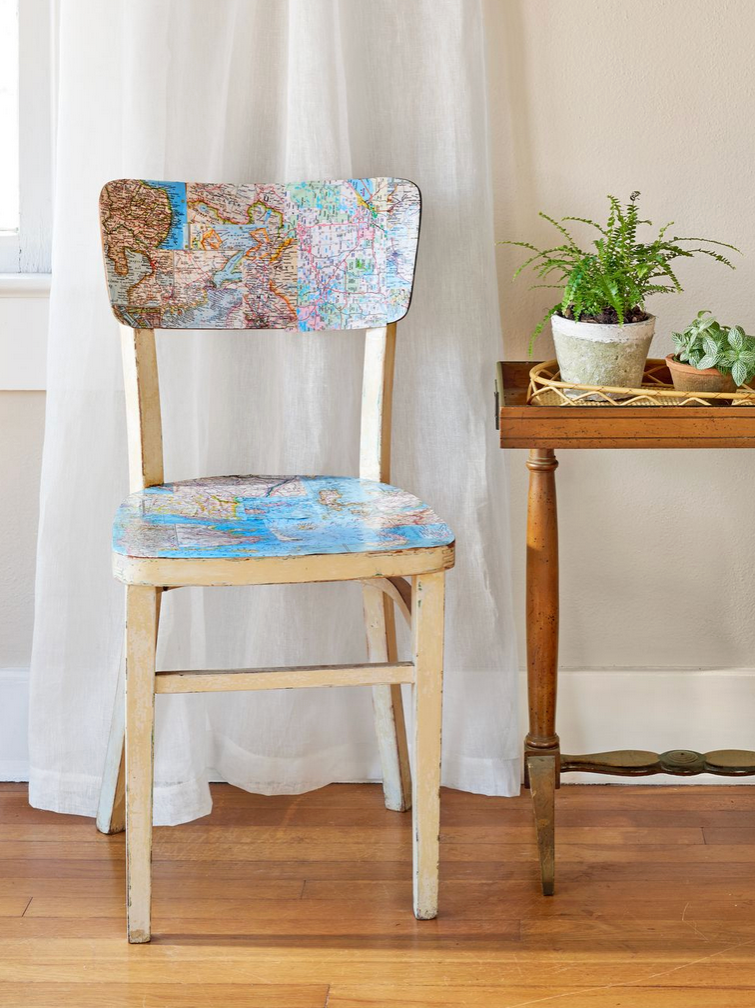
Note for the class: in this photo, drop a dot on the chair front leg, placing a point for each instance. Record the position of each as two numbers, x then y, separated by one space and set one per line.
427 628
387 702
141 626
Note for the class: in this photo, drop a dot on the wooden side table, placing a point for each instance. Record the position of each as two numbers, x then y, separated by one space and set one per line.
543 429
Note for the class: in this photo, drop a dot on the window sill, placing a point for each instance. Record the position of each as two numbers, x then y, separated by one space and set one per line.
23 285
24 305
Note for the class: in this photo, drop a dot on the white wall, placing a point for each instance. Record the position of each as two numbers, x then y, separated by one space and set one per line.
587 97
590 97
21 431
23 337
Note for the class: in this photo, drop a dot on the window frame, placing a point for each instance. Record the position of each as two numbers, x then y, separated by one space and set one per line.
29 249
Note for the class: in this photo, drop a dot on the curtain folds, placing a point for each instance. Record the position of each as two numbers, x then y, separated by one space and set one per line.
255 90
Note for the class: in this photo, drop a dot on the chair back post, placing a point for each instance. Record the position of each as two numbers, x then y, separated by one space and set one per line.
143 417
377 404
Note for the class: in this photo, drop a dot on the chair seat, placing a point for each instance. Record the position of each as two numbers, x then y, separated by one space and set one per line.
273 516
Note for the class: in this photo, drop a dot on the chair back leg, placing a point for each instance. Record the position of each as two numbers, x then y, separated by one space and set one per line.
387 702
141 630
111 809
427 626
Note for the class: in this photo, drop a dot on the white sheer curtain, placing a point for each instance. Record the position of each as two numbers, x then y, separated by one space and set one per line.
254 90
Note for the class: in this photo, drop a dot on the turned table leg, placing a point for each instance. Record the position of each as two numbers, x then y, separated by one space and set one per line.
541 746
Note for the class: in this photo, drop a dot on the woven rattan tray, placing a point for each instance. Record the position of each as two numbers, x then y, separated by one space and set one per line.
547 389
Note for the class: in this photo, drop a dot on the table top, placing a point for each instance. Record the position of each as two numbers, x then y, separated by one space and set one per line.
525 426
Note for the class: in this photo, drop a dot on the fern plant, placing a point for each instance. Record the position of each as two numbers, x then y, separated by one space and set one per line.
705 343
610 283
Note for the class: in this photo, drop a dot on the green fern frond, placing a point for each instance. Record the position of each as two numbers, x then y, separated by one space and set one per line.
561 228
619 271
585 220
713 255
539 328
710 241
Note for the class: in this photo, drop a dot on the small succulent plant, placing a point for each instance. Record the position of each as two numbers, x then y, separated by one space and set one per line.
705 343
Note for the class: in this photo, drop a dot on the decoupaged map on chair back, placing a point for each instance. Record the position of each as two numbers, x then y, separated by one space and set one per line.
301 256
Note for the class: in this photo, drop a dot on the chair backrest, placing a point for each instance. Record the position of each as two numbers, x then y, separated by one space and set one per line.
304 255
307 256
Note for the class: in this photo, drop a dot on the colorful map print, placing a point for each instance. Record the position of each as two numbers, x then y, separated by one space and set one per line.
273 516
306 256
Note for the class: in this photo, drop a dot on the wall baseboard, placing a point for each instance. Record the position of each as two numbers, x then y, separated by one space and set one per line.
653 708
24 308
14 717
599 709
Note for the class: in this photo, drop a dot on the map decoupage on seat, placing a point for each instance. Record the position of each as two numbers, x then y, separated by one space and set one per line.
269 516
299 256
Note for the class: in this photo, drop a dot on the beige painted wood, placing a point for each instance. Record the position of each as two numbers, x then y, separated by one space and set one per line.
377 403
111 809
159 572
375 464
290 677
141 627
387 701
145 463
143 417
400 591
428 615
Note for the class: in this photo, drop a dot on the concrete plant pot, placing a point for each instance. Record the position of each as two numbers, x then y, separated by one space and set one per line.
591 353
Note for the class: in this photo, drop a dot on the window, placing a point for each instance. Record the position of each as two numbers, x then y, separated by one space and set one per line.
26 135
26 123
9 195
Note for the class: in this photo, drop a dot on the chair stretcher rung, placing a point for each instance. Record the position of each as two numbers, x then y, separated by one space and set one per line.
288 677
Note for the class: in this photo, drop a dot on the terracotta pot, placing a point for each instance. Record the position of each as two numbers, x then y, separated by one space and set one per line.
688 379
590 353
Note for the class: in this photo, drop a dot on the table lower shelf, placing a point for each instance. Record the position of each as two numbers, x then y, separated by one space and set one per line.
679 762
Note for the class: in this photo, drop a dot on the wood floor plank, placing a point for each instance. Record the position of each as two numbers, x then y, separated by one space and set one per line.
162 995
190 888
178 872
729 835
399 829
13 905
667 901
390 829
496 997
279 917
405 965
288 848
164 905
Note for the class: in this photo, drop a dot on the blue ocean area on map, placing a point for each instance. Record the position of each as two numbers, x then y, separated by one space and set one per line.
266 516
176 191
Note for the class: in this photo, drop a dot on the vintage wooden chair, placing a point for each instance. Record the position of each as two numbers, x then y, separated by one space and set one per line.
307 256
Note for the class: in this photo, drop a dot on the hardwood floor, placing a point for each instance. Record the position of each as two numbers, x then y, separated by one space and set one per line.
305 902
